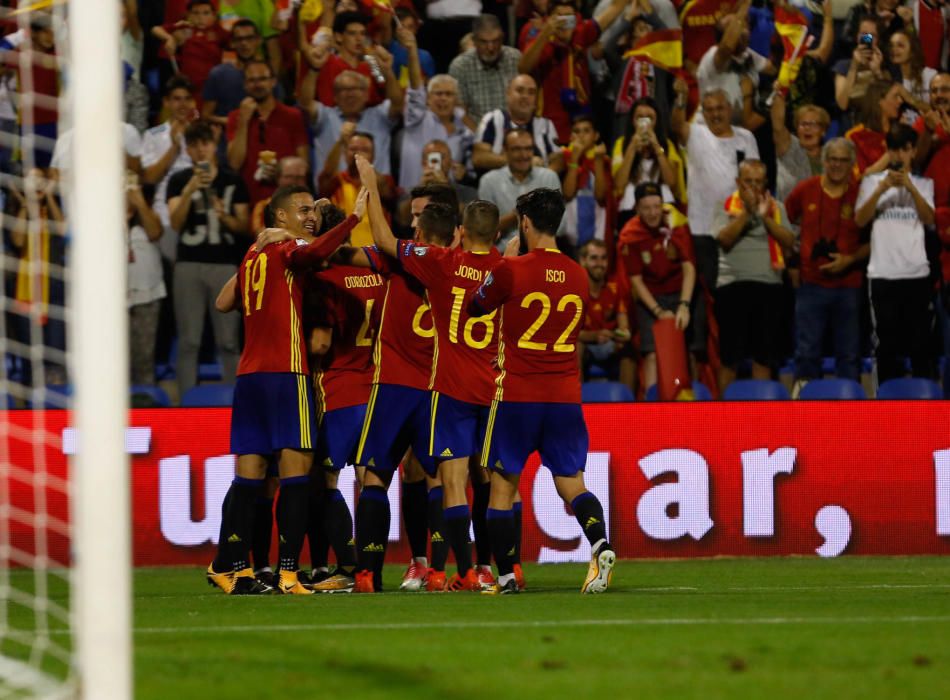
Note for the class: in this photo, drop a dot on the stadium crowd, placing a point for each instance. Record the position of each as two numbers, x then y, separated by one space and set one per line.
774 180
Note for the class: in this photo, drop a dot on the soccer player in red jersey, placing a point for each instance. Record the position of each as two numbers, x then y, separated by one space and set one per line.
464 379
537 405
273 400
398 414
352 300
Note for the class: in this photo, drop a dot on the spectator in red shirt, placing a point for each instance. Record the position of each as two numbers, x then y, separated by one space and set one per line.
880 108
829 296
197 42
933 149
605 337
657 254
349 31
261 131
557 59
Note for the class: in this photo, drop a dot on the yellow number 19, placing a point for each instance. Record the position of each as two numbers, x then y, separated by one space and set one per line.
255 276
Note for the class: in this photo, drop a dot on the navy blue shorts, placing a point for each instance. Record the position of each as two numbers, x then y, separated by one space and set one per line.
339 436
397 418
458 427
272 411
556 430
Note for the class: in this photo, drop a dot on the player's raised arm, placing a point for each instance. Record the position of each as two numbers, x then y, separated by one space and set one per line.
494 291
382 234
228 297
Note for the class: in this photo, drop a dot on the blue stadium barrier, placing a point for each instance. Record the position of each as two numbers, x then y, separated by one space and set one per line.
208 395
755 390
605 392
909 388
832 389
699 389
156 394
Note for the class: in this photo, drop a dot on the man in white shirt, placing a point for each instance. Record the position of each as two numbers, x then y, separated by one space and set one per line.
724 65
164 154
714 149
898 205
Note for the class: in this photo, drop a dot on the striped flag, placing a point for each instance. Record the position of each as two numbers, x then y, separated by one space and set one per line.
792 26
662 48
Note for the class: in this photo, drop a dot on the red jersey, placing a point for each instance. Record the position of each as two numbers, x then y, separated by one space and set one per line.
332 68
699 19
943 231
869 144
603 309
466 346
283 132
563 67
406 338
931 28
270 292
352 299
657 255
201 51
938 167
542 296
821 216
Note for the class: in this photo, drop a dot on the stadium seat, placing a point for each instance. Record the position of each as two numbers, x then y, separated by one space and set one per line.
909 388
152 395
605 392
208 395
700 389
755 390
835 389
57 396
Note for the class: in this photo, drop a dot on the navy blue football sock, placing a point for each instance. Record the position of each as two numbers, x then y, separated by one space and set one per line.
317 537
516 514
501 530
239 524
590 515
440 544
372 530
339 527
480 493
292 506
414 516
457 521
263 529
222 559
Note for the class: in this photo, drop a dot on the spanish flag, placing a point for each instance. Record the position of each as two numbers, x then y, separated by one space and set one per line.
792 25
662 48
734 207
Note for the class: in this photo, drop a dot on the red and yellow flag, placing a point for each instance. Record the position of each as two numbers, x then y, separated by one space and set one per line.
662 48
792 26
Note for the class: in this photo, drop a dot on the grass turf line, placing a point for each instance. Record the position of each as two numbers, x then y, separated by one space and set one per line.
724 628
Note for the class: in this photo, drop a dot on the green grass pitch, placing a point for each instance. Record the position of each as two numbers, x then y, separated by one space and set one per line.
724 628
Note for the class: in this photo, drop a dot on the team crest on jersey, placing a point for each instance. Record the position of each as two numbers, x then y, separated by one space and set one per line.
488 280
420 251
846 211
300 241
647 258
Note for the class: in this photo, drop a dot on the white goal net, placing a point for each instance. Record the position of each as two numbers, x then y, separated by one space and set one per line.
64 540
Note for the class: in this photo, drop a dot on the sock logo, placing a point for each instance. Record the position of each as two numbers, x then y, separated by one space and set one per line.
282 540
328 462
234 538
511 552
591 521
372 547
446 453
437 537
498 464
350 542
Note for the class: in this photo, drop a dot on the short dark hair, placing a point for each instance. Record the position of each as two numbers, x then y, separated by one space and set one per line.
365 135
279 200
480 220
198 131
331 217
900 135
245 22
544 208
592 243
259 62
437 222
193 3
587 117
440 194
178 82
344 19
485 23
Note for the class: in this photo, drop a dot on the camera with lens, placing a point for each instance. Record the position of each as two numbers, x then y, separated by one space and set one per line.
823 248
